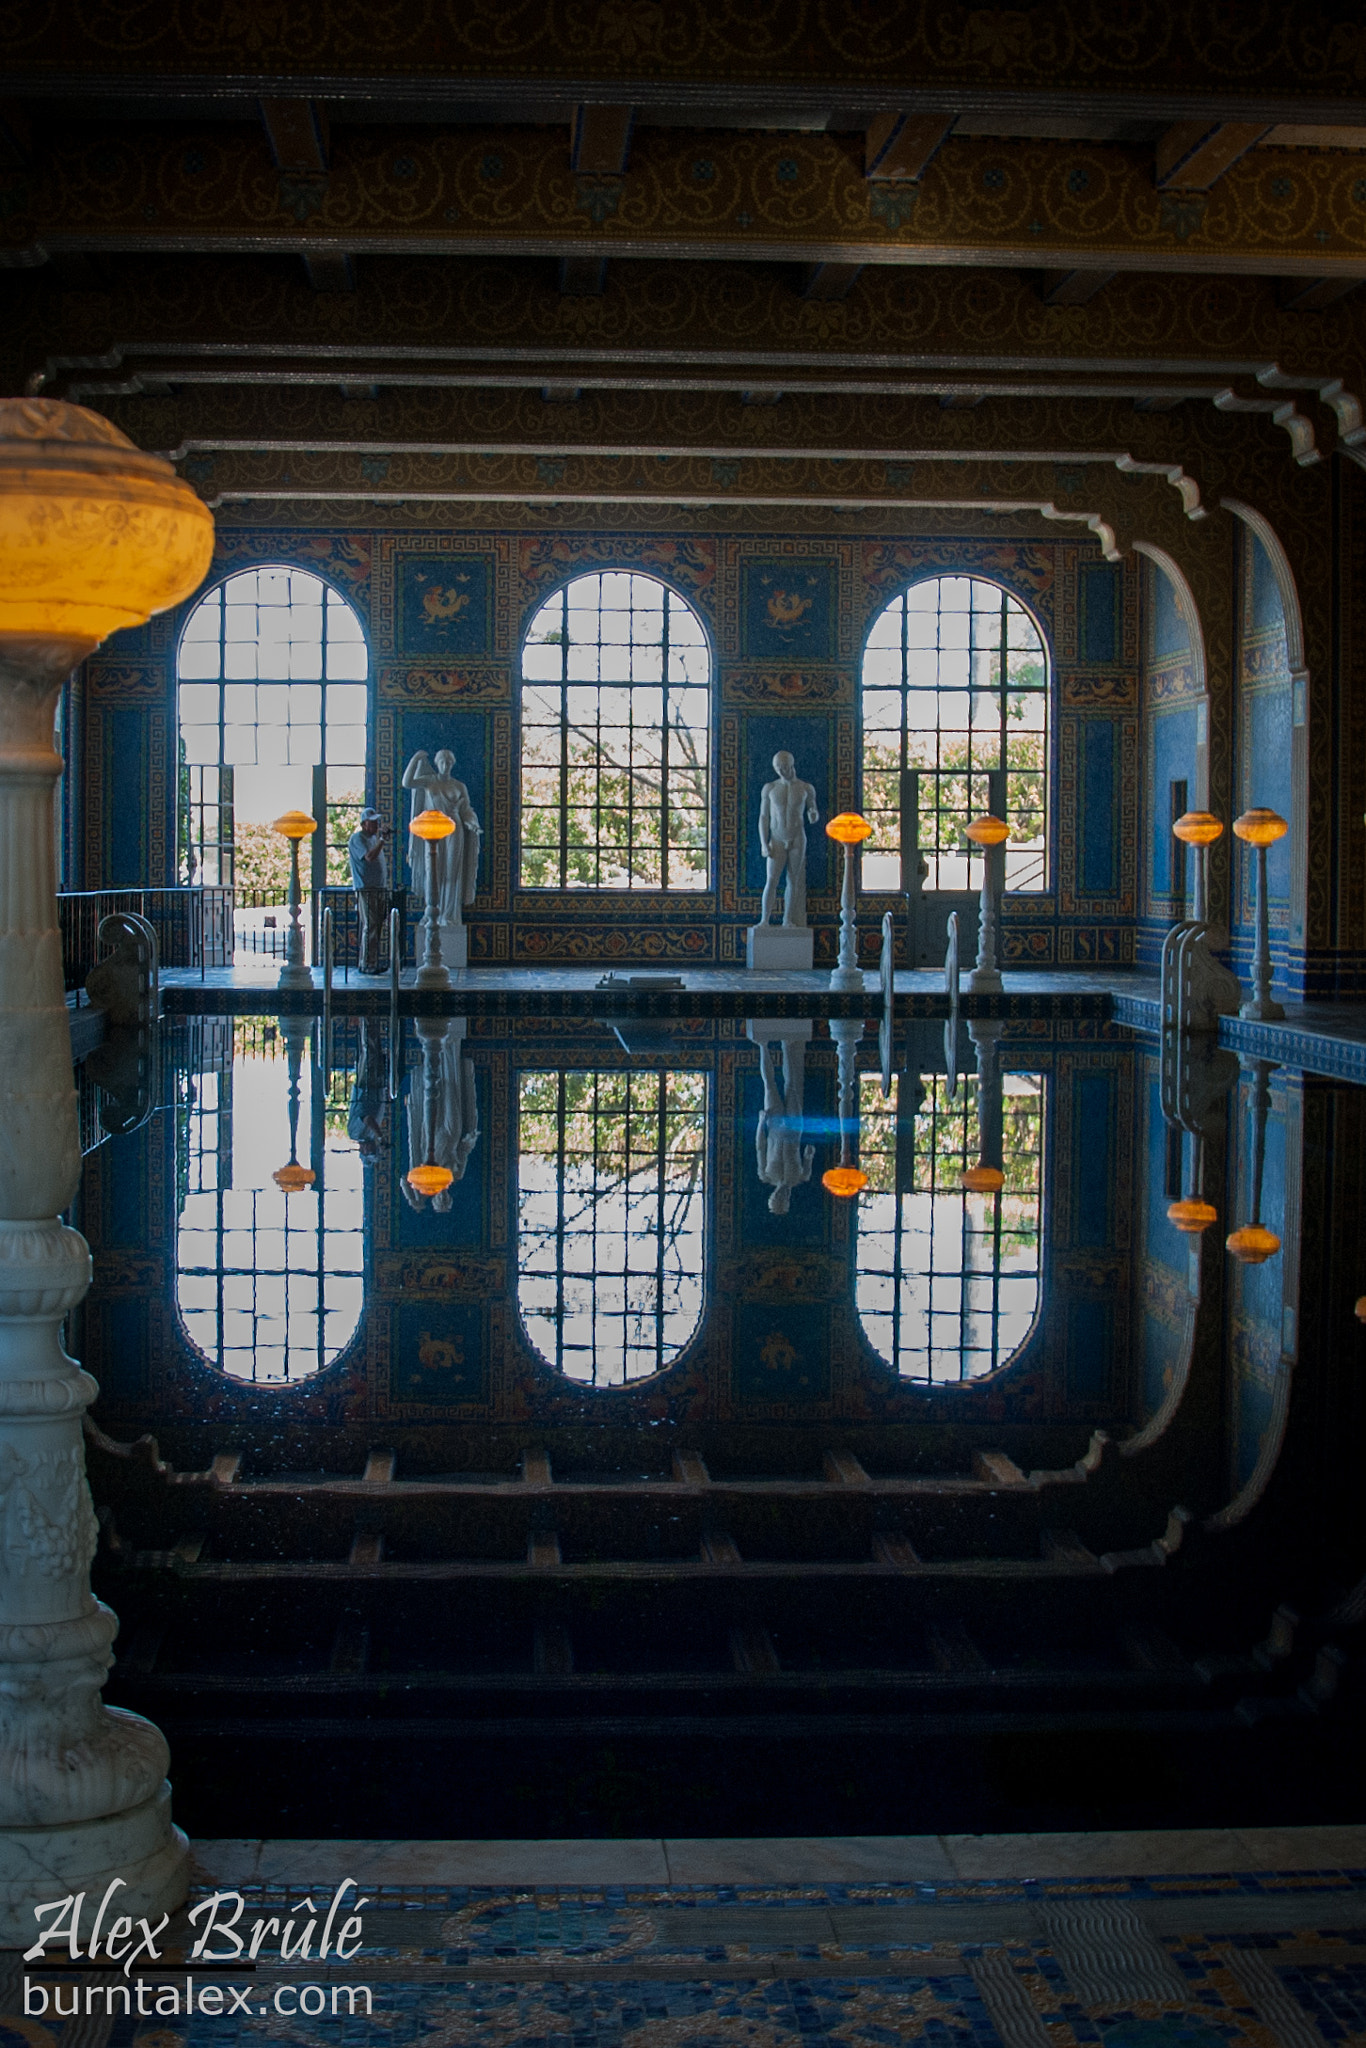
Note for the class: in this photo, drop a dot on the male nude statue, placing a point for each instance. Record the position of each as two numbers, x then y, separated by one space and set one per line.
785 809
784 1162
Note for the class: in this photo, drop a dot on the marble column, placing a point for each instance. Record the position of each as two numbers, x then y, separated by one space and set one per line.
83 1792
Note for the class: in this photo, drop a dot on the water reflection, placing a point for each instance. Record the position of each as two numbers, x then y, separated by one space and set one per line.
269 1273
611 1192
947 1283
443 1110
784 1162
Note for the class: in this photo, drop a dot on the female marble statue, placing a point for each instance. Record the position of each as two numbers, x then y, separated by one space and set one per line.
435 788
443 1109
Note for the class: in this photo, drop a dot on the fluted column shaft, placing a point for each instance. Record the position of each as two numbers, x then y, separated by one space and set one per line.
82 1786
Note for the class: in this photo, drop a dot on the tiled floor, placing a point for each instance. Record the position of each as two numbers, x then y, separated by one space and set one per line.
1132 1941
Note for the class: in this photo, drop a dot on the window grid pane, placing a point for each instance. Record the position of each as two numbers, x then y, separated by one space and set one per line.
272 668
947 1283
615 730
955 683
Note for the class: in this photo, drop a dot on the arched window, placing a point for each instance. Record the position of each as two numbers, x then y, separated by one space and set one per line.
615 722
947 1284
270 1280
955 682
272 668
611 1193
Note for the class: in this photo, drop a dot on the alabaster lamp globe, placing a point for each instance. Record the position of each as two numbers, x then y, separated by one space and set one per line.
429 1179
1198 828
848 828
844 1181
1360 1310
1191 1215
432 825
1253 1245
295 825
1260 827
983 1180
293 1179
95 536
987 830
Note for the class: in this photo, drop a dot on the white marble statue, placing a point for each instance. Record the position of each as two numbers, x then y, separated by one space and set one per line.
784 1162
435 788
785 809
443 1109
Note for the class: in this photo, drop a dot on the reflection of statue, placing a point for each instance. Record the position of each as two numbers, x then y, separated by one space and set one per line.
443 1111
785 809
369 1111
435 788
784 1162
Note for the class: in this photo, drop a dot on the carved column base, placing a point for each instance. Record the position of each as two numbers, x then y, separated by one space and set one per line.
141 1845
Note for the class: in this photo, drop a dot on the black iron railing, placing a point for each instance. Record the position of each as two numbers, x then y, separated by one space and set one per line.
193 926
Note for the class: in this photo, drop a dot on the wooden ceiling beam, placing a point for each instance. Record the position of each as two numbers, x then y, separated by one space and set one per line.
297 131
752 198
1072 287
899 144
1194 155
600 140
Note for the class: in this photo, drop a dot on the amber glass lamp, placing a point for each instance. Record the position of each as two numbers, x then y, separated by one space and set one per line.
848 830
1253 1245
987 830
429 1179
1260 829
1191 1215
983 1180
1360 1310
844 1180
295 826
990 833
293 1178
1199 829
431 827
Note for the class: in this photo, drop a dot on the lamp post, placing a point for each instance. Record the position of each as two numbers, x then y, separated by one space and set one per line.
424 1176
1254 1244
1260 829
94 536
293 1178
990 833
1199 829
848 830
987 1177
295 826
846 1179
432 827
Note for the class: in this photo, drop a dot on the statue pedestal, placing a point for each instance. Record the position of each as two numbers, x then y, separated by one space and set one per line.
779 949
779 1030
455 946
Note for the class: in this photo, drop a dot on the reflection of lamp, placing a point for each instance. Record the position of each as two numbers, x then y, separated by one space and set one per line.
94 537
433 827
848 830
1253 1245
987 1178
1199 829
989 833
1260 829
295 1031
1191 1215
295 826
424 1176
1360 1310
846 1179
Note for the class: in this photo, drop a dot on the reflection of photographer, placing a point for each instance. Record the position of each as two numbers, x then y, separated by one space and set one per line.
367 850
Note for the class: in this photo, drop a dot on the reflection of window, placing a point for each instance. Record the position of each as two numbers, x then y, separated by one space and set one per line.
955 682
272 668
615 714
948 1282
269 1286
611 1193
